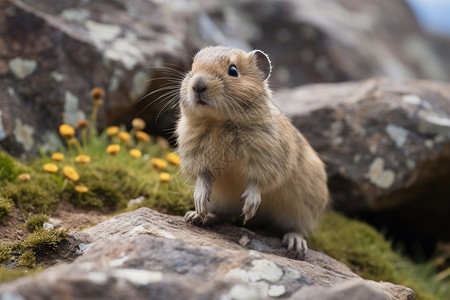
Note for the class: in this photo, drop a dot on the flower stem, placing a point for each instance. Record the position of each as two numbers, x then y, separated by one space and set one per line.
93 124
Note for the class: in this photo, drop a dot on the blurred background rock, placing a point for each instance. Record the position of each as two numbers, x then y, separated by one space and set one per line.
384 133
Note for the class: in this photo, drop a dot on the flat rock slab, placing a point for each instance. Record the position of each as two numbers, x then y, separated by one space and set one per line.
148 255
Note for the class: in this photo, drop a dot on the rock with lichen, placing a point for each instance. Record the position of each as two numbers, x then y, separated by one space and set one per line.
54 52
144 254
386 145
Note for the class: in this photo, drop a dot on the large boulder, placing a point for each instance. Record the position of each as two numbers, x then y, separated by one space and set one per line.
53 52
145 254
332 40
386 145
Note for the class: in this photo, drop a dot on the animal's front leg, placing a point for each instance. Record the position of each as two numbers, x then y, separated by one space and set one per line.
252 197
202 193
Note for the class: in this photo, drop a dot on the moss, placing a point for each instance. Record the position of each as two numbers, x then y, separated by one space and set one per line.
5 254
8 167
366 252
106 186
9 275
35 222
37 195
6 206
27 259
36 246
43 242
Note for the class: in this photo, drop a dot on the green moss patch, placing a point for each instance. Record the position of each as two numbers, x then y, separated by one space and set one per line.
35 222
367 253
6 206
12 274
5 253
42 242
27 259
8 167
36 247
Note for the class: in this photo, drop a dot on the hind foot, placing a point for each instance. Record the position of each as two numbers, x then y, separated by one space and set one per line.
194 218
295 242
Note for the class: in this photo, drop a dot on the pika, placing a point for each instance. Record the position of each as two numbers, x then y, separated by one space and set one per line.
245 157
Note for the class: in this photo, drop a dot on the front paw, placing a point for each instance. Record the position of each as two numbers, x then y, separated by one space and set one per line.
193 218
252 198
295 242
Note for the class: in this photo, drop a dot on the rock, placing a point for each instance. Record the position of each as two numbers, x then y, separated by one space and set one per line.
353 289
54 52
315 42
136 201
55 222
48 226
386 145
145 254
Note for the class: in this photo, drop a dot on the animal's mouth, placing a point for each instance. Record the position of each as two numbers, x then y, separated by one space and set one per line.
199 100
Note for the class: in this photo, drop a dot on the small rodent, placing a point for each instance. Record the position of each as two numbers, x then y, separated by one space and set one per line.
244 156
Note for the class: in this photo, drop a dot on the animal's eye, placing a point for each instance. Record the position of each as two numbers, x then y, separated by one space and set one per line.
232 71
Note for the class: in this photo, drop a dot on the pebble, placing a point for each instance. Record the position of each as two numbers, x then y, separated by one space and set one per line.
138 200
276 290
56 223
48 226
81 248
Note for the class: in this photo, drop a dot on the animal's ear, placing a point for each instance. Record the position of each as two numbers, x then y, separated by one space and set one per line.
262 62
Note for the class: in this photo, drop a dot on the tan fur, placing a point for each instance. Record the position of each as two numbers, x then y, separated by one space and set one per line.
241 140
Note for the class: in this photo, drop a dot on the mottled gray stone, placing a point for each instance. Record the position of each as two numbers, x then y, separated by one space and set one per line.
22 68
385 144
198 263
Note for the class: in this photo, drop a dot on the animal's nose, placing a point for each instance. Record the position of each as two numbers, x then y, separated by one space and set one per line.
199 85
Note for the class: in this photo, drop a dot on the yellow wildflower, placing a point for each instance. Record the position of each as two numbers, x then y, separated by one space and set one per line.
81 189
164 177
113 149
136 153
143 137
66 131
138 123
158 163
173 158
112 130
57 156
97 93
70 173
82 124
24 177
82 159
50 168
124 137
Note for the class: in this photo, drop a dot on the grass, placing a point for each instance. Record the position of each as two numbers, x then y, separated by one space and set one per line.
367 252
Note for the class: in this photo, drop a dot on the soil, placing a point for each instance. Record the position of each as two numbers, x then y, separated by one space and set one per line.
10 229
71 217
